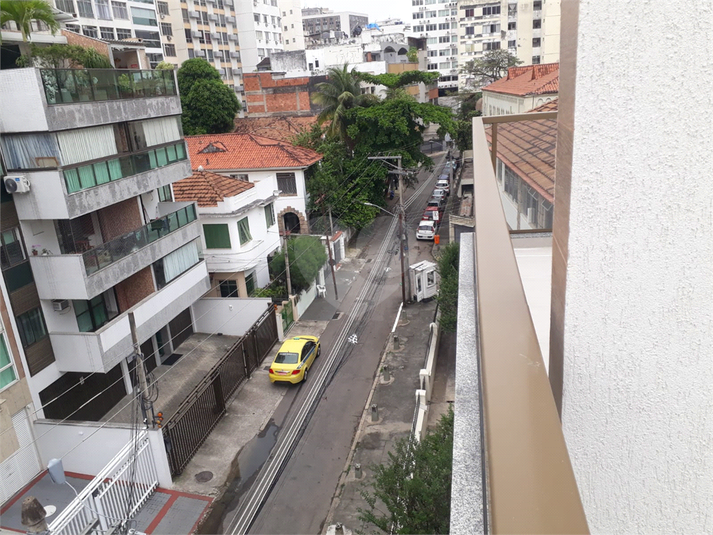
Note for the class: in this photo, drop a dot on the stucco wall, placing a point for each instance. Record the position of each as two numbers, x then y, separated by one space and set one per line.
638 316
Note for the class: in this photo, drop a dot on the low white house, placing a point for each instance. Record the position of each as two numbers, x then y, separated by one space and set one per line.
238 226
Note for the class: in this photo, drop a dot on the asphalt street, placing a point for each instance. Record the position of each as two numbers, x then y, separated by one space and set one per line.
299 493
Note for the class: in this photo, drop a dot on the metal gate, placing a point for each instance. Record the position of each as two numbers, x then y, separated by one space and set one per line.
288 316
337 250
186 430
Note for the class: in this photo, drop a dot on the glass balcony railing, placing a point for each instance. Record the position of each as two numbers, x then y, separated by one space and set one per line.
118 248
65 86
95 174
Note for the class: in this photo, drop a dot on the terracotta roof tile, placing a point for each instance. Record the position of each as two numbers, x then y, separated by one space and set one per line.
528 148
208 188
528 80
246 151
281 128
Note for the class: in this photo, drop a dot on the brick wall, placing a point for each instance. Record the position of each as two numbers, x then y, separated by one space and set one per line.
266 95
87 42
132 290
119 219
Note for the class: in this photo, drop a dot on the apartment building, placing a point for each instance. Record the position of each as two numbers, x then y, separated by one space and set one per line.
117 20
322 24
437 22
292 31
90 230
528 30
258 24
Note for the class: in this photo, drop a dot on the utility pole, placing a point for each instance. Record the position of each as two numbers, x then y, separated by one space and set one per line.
331 223
331 258
146 403
287 264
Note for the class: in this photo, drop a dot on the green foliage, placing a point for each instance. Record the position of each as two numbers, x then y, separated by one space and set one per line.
412 54
63 57
307 256
492 66
165 66
23 12
271 290
393 80
464 119
209 106
414 486
448 289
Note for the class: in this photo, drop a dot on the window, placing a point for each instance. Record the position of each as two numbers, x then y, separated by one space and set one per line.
432 40
269 215
512 44
31 326
265 19
444 26
432 53
65 5
491 46
145 17
444 12
491 28
164 194
228 288
162 8
73 28
261 52
166 29
444 65
470 30
241 176
535 60
7 370
489 11
444 52
209 52
286 183
169 50
103 12
123 33
431 27
444 39
93 314
90 31
216 236
204 17
85 9
151 39
244 231
433 67
430 14
11 250
107 33
470 12
184 14
418 15
250 282
120 11
418 28
258 35
536 42
512 25
256 18
191 53
416 2
176 263
537 5
273 20
536 24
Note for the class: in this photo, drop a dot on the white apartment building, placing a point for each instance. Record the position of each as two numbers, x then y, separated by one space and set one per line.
437 21
324 25
260 32
528 30
116 20
292 32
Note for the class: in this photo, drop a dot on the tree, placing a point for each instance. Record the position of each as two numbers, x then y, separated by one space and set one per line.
394 80
340 93
415 485
448 287
492 66
23 12
209 106
307 256
165 66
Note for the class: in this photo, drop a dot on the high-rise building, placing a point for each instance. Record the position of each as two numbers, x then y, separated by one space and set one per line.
292 33
118 20
258 24
438 24
90 231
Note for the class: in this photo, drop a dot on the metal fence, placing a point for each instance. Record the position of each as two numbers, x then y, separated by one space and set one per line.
187 429
130 477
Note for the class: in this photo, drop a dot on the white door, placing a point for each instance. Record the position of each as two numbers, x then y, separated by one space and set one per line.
19 469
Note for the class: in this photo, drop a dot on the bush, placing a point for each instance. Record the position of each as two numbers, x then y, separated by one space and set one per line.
448 289
307 256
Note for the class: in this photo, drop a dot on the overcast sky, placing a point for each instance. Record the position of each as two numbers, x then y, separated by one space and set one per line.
376 9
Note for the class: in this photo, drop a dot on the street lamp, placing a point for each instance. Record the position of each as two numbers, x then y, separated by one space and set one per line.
401 247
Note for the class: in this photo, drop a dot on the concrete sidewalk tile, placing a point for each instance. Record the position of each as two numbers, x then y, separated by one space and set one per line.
181 517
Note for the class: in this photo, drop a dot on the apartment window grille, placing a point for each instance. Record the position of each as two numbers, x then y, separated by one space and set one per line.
287 183
444 26
537 24
90 31
512 25
11 250
162 8
244 231
7 369
169 50
103 11
444 39
256 18
535 60
537 5
512 44
120 11
31 326
123 33
73 28
492 46
431 27
491 10
107 33
166 29
536 41
217 236
228 288
84 8
433 66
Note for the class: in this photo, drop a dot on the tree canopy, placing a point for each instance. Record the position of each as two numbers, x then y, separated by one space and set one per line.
492 66
209 106
415 485
396 80
307 255
63 57
23 12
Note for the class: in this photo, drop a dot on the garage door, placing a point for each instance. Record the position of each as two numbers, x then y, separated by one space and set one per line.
23 465
181 328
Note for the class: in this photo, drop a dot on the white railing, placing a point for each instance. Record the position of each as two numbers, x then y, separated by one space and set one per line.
423 393
128 479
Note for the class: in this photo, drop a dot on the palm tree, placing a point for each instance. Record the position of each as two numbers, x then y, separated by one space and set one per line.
23 12
341 92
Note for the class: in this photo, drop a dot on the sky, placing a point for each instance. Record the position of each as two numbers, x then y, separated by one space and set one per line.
376 9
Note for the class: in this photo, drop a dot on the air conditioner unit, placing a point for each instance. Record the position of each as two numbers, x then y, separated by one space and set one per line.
196 34
213 17
17 184
194 14
169 38
199 53
59 305
163 16
228 2
237 71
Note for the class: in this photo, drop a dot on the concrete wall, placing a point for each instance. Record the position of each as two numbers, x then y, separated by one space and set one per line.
632 257
227 315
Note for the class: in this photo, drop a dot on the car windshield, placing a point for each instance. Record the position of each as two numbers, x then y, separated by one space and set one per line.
287 358
425 228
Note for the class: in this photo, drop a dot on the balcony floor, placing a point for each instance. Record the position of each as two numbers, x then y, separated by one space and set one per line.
176 381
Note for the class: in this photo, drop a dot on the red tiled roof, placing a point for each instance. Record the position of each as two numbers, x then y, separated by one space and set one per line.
528 149
281 128
528 80
246 151
208 188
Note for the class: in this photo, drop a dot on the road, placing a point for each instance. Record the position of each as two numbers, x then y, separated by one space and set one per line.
317 420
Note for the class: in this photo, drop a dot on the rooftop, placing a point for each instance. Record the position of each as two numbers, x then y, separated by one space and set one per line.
247 151
279 128
528 80
528 149
208 188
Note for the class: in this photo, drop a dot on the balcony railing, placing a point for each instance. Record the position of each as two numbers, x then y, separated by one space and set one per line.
118 248
95 174
66 86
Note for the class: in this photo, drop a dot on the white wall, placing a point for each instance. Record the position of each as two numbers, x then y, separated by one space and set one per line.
638 317
291 13
31 99
228 315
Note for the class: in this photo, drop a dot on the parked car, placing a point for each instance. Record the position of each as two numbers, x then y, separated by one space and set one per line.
426 230
440 193
444 177
294 359
443 184
431 213
437 202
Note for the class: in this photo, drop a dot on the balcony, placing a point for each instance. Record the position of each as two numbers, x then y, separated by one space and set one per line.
103 349
76 98
86 275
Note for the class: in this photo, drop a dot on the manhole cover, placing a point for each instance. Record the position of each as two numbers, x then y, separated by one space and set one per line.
203 477
337 316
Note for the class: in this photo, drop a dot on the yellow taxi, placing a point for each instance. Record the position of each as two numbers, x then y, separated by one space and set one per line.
294 359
